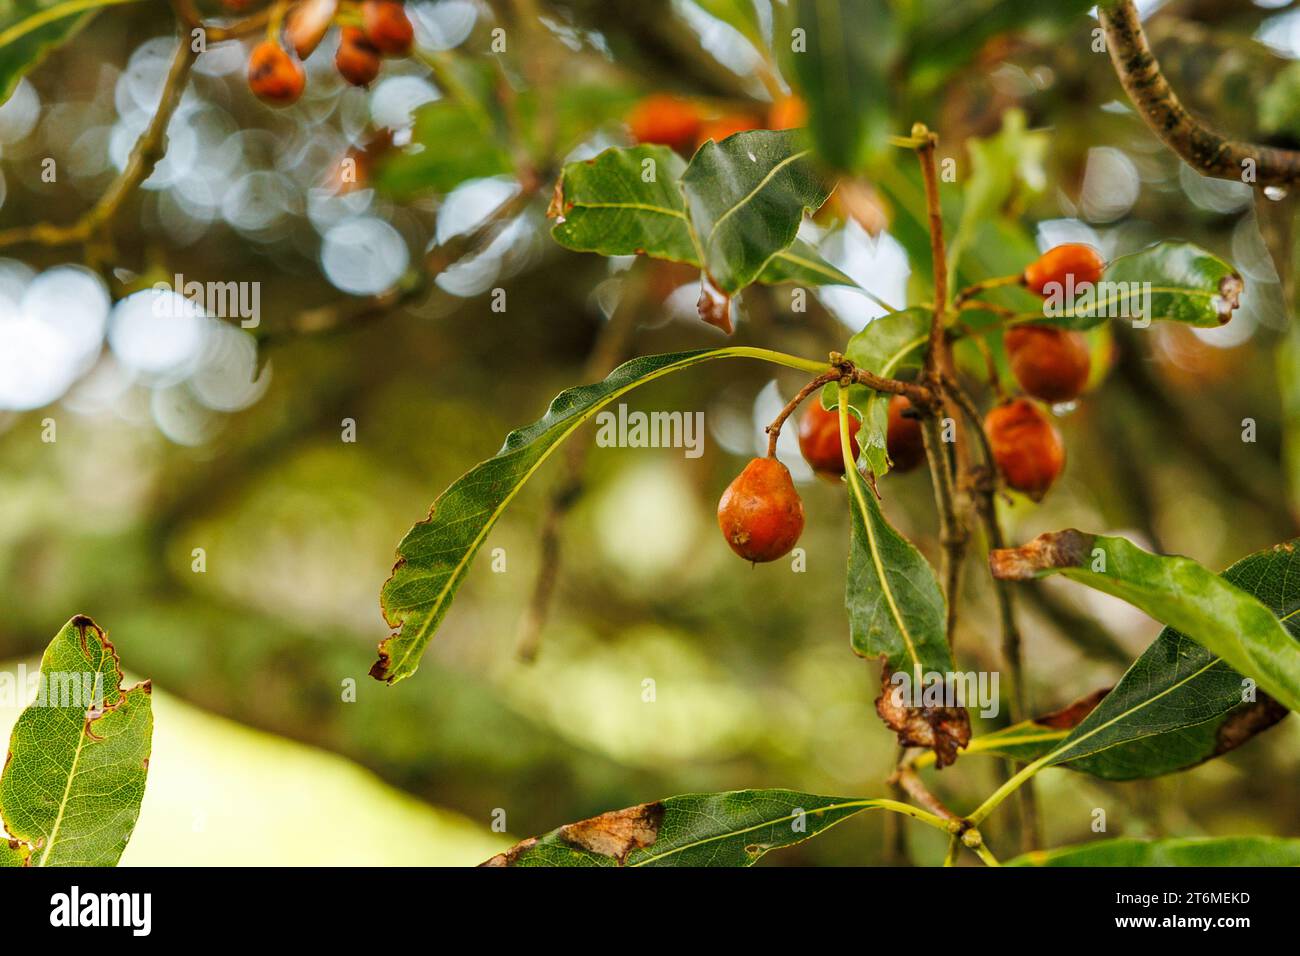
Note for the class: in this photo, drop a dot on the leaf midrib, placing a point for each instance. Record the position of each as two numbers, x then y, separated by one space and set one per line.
767 178
860 804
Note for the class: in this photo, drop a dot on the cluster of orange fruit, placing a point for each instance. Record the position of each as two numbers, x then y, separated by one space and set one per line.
760 513
684 125
277 77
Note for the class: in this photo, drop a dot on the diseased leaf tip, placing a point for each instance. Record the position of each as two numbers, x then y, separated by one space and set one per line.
1055 549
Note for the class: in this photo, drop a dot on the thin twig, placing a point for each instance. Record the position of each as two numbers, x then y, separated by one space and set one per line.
1201 148
938 365
145 155
774 429
983 491
912 784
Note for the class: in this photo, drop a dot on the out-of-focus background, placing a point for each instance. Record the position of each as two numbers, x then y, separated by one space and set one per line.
173 435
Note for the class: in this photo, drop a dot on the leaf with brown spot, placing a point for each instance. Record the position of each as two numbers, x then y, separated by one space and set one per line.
695 829
1179 704
616 833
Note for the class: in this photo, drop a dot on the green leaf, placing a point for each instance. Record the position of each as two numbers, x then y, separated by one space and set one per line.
896 608
630 202
801 264
625 202
79 755
31 29
897 611
453 144
843 75
1177 706
14 852
695 829
1000 166
1217 615
887 346
1169 281
1181 851
746 197
435 555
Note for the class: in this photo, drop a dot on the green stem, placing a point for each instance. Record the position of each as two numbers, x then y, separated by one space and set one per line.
779 358
1008 788
985 854
954 850
907 810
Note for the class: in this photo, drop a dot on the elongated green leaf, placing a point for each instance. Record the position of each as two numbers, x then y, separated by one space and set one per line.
888 345
1177 706
1207 609
1184 851
435 555
897 612
30 29
695 829
839 57
896 607
79 755
1169 281
746 197
625 202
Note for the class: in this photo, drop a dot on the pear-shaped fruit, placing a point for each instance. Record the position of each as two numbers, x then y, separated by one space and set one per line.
1049 363
1026 448
1076 259
760 513
903 439
819 439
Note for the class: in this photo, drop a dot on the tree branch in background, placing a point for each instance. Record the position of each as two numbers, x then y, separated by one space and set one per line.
145 155
1203 149
348 314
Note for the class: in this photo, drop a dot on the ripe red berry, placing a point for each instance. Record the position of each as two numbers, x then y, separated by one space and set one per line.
357 60
1026 448
1073 258
819 439
760 513
273 75
665 120
306 24
387 27
903 439
1049 363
